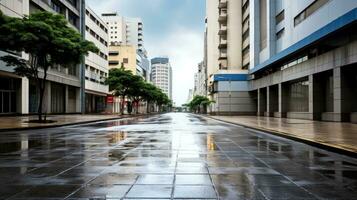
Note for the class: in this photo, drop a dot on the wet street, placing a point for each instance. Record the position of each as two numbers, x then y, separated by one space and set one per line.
169 156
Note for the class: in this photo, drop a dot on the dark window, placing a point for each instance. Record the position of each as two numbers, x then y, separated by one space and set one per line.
125 60
73 19
113 62
57 7
113 53
73 3
280 17
309 11
280 33
245 35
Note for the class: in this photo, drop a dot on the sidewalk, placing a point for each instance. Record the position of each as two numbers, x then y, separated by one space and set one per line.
20 122
337 136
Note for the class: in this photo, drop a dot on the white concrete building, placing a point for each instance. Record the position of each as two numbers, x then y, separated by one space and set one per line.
116 28
134 32
227 52
124 30
63 89
303 58
200 87
161 74
96 63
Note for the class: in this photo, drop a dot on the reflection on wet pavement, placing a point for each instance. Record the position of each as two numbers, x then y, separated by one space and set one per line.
170 156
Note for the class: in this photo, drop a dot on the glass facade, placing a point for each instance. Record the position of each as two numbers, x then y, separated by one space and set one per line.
8 98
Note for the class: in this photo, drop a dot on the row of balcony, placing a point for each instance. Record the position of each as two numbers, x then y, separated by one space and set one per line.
222 32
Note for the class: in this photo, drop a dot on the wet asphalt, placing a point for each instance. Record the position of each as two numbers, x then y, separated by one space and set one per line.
168 156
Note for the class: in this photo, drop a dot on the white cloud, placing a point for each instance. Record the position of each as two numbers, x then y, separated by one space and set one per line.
185 49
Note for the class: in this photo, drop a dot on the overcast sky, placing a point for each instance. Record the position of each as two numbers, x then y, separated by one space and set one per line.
172 28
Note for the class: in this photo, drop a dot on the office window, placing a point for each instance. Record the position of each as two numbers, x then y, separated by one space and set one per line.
56 7
313 7
73 2
125 60
280 17
280 33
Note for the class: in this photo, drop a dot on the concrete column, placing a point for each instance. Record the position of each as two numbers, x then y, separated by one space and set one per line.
267 113
272 100
66 100
340 104
259 111
311 98
78 100
282 108
47 98
24 96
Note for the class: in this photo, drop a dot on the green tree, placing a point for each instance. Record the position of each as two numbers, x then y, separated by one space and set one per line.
150 94
199 104
48 40
136 91
123 83
119 81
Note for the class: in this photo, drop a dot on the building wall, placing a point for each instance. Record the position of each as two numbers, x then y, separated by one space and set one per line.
291 33
307 78
96 63
125 30
118 55
116 27
62 82
21 84
134 32
161 75
224 50
212 36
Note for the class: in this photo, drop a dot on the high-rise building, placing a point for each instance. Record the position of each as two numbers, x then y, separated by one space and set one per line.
64 86
96 64
125 30
200 87
227 56
304 58
116 28
126 44
161 74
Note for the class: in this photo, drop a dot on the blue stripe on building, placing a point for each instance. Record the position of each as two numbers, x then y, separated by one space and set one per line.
335 25
230 77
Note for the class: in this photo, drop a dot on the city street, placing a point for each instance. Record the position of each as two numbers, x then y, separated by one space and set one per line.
168 156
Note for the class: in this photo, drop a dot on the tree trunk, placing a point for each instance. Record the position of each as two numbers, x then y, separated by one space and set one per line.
147 107
122 105
39 112
137 106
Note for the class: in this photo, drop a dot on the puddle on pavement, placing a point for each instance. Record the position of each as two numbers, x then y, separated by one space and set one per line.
189 150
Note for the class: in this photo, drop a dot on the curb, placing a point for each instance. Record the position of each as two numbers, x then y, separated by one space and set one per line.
313 143
70 124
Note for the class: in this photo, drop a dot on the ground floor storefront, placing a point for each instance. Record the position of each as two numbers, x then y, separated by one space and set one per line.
21 96
319 83
95 103
323 88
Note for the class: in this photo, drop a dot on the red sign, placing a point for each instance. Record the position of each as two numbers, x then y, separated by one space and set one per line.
110 99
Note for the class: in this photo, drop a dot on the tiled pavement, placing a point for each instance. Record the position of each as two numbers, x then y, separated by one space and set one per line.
171 156
332 134
21 122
